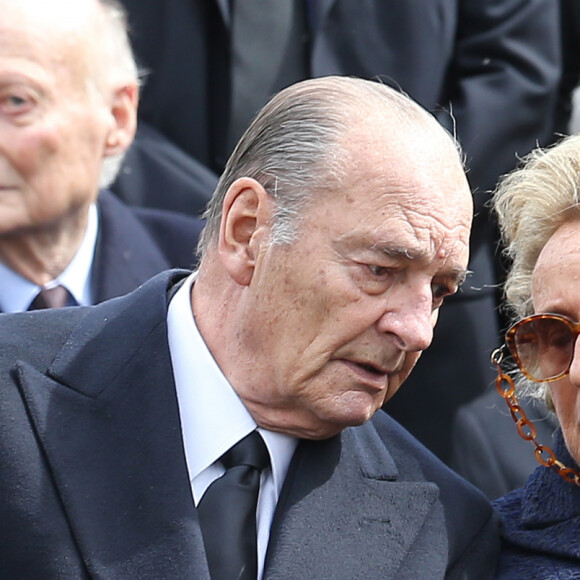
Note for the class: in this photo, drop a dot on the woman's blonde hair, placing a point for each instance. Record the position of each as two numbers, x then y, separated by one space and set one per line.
531 203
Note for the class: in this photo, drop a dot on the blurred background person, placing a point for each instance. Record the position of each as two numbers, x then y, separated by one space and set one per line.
539 213
486 448
68 111
488 70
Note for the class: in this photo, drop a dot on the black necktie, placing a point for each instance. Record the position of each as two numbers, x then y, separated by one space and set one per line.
55 297
227 512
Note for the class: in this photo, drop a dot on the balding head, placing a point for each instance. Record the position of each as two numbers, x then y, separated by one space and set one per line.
297 146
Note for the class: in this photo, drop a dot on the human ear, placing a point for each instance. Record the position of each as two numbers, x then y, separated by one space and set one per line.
123 111
247 210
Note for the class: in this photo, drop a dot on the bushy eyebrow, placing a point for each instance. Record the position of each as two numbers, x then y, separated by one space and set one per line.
457 275
400 252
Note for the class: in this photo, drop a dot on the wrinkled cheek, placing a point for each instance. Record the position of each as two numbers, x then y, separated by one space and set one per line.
307 300
34 156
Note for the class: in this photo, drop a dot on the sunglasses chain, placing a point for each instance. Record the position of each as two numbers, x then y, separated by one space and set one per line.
526 429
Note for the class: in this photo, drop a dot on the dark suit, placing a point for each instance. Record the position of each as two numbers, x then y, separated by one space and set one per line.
156 173
135 244
95 484
495 63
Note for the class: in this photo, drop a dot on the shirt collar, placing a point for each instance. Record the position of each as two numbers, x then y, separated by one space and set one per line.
16 292
213 417
77 276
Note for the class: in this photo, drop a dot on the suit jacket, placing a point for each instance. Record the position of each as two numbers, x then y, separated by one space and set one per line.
135 244
487 449
95 484
541 525
157 173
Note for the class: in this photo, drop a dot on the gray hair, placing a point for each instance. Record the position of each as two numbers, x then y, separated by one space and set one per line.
531 203
114 66
295 148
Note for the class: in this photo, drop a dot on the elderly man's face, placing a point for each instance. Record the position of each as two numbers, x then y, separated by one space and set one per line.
52 137
338 318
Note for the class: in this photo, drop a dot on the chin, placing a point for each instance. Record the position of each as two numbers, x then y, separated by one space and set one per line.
354 417
321 420
332 425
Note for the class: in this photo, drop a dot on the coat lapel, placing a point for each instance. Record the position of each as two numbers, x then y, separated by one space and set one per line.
112 438
125 254
224 6
321 9
343 509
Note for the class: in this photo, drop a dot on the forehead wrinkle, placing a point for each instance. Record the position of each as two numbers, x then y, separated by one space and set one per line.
420 209
423 234
456 273
49 75
425 241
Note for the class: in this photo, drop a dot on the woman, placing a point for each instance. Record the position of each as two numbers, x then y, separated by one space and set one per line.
538 207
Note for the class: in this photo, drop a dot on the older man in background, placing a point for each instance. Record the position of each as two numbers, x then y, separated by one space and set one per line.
68 103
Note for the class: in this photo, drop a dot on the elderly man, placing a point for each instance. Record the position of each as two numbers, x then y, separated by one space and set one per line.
68 100
222 423
494 64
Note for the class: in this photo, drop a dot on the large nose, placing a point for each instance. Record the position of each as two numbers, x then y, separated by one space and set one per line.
408 315
575 364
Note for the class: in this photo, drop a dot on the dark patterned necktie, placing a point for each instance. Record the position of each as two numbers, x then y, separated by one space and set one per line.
227 512
56 297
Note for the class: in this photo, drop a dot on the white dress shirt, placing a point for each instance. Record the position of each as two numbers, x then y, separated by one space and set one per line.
213 417
16 292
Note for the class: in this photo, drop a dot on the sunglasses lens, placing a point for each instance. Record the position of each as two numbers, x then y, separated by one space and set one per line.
544 347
